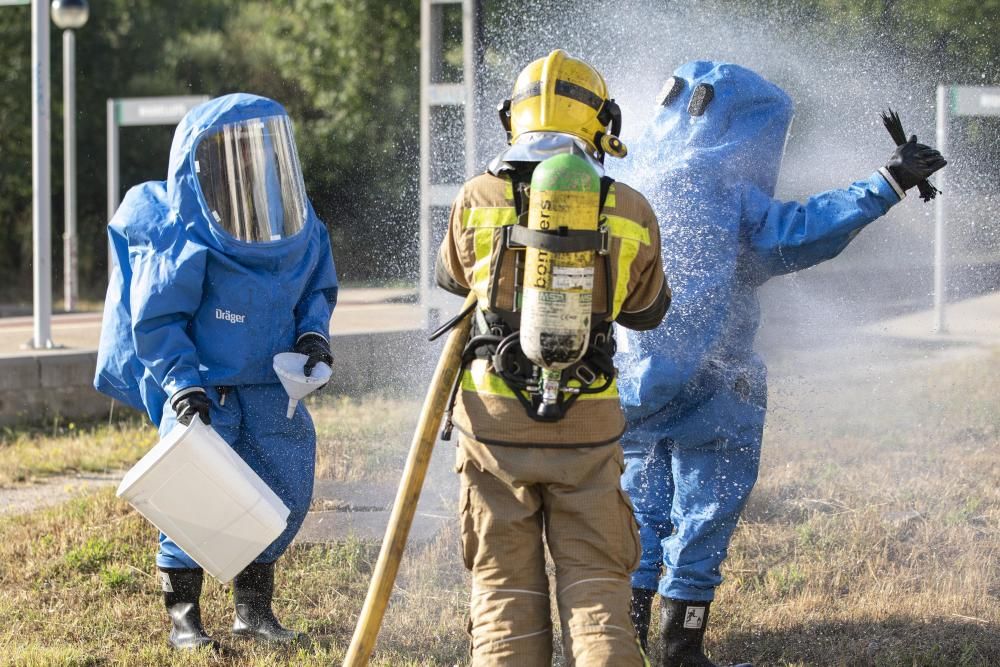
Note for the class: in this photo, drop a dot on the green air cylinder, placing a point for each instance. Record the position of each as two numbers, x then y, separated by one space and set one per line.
558 286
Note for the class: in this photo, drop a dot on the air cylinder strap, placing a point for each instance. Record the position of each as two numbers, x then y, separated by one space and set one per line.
564 240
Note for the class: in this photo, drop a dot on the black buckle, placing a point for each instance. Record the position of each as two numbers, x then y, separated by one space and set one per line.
507 243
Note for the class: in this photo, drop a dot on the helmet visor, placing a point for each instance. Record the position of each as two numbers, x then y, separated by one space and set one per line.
251 180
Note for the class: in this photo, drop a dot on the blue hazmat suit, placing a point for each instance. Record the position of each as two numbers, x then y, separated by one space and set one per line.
191 305
694 390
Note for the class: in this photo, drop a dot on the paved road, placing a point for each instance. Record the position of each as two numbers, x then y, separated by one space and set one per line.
23 498
359 310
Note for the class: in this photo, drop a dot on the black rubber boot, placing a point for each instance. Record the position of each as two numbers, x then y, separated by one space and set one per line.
253 589
682 630
181 591
642 604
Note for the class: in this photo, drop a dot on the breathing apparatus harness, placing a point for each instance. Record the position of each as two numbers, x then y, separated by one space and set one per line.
496 332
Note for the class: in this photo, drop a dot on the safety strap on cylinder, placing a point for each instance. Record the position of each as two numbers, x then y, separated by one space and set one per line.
563 240
606 183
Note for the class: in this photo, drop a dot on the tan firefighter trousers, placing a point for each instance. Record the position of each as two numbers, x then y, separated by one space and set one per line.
512 498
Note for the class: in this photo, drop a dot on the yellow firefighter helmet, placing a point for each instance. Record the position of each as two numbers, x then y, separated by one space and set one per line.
560 93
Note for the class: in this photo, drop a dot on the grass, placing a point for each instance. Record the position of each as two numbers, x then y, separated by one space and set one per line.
872 538
362 440
78 579
28 456
79 589
873 535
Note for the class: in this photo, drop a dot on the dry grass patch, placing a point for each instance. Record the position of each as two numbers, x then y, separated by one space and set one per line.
362 439
79 589
873 536
31 455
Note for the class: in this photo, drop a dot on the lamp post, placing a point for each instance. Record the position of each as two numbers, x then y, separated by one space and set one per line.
69 15
41 180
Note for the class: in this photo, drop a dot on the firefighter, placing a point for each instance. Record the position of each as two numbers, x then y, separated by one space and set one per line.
555 252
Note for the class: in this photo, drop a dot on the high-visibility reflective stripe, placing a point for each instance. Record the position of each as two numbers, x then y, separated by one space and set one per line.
493 217
508 189
629 249
484 221
611 201
482 238
477 378
624 228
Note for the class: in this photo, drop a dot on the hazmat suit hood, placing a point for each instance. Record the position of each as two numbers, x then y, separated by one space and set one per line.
185 194
719 132
722 118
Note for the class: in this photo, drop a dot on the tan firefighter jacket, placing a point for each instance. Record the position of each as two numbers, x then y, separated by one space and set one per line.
486 408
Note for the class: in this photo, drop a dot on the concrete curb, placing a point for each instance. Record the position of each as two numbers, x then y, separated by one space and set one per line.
36 387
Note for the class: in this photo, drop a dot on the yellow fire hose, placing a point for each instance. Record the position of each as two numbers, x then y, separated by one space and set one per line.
405 505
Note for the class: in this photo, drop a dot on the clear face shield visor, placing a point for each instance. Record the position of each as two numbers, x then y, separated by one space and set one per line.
251 180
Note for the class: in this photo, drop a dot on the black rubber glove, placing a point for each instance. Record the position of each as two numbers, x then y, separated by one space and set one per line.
191 404
316 348
913 162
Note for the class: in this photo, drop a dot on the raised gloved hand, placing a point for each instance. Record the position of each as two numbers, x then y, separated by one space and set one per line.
913 162
195 402
316 348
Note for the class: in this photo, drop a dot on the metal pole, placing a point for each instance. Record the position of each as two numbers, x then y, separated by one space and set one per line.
425 151
41 178
70 281
113 186
940 286
470 45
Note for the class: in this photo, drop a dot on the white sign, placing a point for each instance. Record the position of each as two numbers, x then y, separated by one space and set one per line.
155 110
975 101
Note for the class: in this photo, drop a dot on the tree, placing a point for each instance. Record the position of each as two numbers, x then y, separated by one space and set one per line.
346 70
347 73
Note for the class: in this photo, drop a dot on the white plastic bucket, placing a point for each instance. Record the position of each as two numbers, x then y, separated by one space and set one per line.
204 497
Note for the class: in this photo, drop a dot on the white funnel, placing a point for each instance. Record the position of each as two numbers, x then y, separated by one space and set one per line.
289 368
